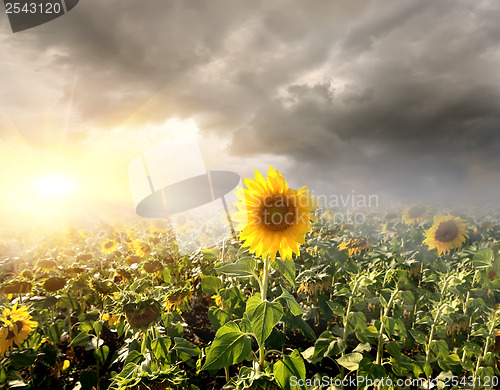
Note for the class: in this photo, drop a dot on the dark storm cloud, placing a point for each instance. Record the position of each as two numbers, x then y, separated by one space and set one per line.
393 97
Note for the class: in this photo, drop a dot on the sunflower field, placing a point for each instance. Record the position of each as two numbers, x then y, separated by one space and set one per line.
407 300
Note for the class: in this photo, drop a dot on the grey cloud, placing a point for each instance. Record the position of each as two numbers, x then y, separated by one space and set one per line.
385 95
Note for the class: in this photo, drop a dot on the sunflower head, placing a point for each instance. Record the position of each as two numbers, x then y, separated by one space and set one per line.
176 297
17 287
140 248
15 327
446 233
272 217
153 266
141 315
109 246
414 214
54 284
111 319
354 245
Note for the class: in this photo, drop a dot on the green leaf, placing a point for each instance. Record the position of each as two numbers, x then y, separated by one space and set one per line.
418 336
185 349
328 345
369 370
97 326
230 346
210 254
400 328
134 357
55 331
286 268
218 317
294 307
243 268
439 348
350 361
366 333
449 361
485 375
81 338
23 358
101 354
66 301
88 379
160 347
18 383
394 349
210 284
336 308
263 317
427 369
357 321
389 325
483 258
363 347
288 371
425 320
408 297
306 329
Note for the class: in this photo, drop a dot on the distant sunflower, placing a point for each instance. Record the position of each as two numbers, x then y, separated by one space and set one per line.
16 327
354 245
272 217
218 300
414 214
109 246
111 319
446 234
140 248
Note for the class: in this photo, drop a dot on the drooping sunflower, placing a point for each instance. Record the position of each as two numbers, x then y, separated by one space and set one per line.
15 327
271 216
109 246
176 297
354 245
447 233
414 214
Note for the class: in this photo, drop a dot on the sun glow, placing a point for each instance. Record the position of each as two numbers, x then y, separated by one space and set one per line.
55 186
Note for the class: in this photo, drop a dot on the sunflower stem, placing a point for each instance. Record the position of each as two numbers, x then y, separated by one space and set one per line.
265 278
485 352
263 295
346 323
433 326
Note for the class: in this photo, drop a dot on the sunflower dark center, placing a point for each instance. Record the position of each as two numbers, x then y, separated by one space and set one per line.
11 334
108 245
446 231
277 212
416 211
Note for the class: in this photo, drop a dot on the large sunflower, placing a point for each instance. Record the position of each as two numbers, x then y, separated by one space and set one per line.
413 214
354 245
446 234
272 217
16 326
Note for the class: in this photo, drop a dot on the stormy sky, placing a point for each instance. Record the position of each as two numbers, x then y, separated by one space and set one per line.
395 98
